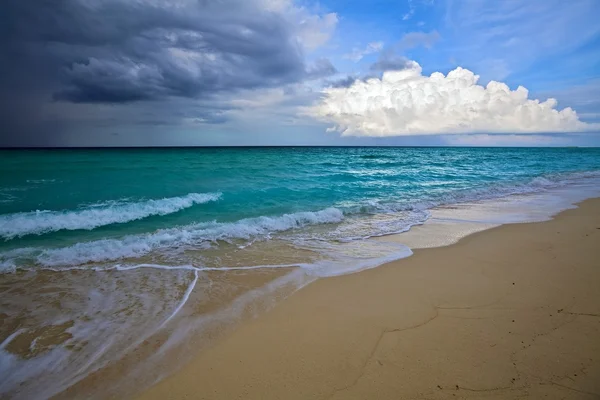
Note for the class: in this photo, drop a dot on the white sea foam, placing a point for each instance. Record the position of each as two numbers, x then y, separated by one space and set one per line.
39 181
579 182
197 235
40 222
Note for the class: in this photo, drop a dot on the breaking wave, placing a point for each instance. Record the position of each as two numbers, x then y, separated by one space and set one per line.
41 222
197 235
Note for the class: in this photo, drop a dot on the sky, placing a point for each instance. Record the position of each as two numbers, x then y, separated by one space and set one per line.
285 72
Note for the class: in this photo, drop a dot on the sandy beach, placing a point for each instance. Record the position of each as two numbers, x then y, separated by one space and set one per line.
512 312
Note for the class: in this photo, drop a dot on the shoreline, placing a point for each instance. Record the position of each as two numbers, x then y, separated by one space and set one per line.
451 315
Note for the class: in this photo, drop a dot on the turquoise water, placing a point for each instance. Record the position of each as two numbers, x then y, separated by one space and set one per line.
102 251
72 207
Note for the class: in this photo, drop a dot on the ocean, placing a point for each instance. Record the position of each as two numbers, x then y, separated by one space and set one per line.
104 253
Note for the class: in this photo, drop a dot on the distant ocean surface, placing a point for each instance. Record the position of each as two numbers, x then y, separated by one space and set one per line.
160 230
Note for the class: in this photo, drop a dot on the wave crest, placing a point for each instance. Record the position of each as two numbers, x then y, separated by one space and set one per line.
41 222
138 245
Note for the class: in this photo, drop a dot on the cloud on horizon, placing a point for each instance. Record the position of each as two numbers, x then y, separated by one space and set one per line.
510 140
405 102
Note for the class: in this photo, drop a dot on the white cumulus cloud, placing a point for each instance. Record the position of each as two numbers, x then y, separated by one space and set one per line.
406 102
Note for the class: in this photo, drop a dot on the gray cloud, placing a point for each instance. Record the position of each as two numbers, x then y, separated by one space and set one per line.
343 82
389 61
320 69
392 58
350 79
124 52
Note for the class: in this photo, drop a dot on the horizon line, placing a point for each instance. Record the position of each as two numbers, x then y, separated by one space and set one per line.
272 146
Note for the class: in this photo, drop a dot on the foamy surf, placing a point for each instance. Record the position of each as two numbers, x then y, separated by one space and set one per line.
194 235
42 222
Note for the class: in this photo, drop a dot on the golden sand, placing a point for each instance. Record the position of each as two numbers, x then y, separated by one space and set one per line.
512 312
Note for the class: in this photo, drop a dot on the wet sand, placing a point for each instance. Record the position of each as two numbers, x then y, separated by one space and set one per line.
512 312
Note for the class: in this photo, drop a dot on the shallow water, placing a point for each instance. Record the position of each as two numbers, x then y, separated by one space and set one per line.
121 263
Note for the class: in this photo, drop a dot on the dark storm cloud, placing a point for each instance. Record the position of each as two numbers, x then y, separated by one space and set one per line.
127 51
121 51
